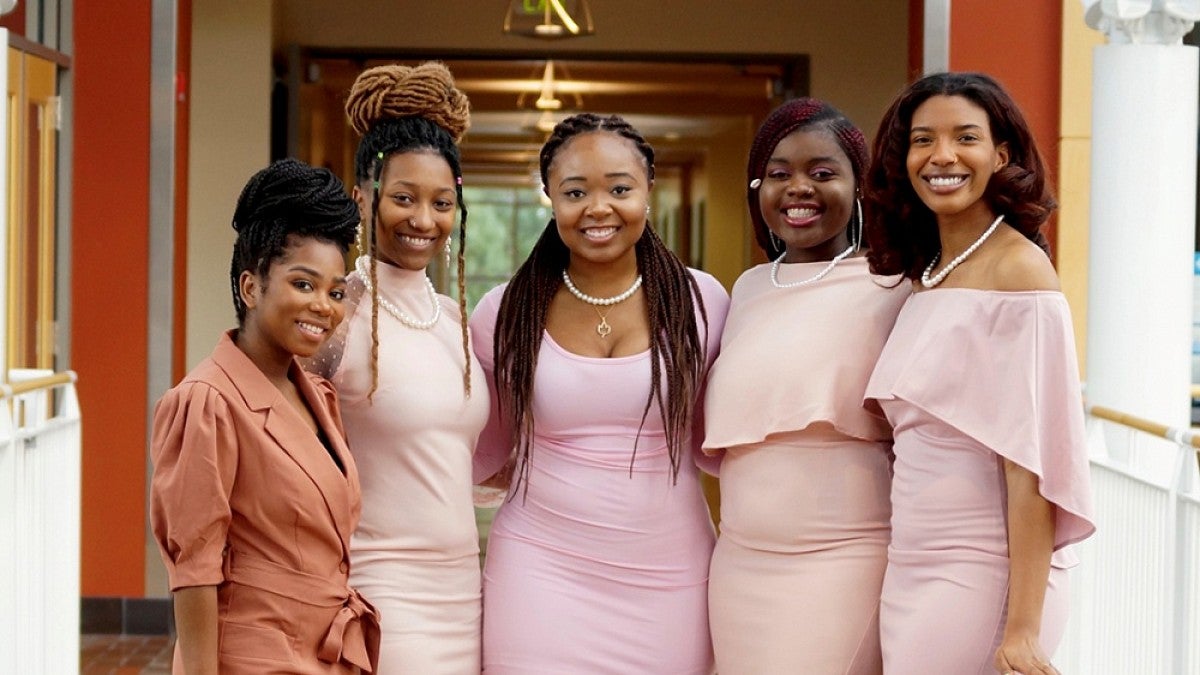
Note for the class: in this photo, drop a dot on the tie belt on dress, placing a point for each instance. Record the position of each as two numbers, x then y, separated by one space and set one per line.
353 636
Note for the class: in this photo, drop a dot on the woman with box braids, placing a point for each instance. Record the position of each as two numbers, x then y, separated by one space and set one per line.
405 373
255 492
601 345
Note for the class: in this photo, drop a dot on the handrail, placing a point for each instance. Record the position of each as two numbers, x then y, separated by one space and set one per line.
1180 436
24 387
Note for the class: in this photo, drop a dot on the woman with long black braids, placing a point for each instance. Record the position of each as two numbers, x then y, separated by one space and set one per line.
254 493
598 350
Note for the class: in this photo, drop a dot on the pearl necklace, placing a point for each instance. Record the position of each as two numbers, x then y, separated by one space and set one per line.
603 302
361 266
602 329
814 278
930 282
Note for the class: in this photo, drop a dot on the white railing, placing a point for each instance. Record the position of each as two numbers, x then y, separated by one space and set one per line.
39 523
1135 597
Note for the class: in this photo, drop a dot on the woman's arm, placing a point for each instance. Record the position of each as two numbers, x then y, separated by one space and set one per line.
196 627
1030 543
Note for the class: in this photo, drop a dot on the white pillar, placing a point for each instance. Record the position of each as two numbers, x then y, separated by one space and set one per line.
1143 200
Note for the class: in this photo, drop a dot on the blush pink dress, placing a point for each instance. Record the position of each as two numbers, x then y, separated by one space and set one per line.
415 554
806 476
597 568
968 379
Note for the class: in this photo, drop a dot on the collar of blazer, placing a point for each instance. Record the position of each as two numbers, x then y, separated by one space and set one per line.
284 424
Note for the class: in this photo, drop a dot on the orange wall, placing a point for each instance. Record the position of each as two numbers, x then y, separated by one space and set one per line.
1021 48
109 250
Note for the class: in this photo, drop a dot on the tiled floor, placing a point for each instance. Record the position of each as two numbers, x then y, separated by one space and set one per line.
125 654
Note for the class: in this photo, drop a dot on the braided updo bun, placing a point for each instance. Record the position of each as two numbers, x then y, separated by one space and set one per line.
287 198
392 91
397 110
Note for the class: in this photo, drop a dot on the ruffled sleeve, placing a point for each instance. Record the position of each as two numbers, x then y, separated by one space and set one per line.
1000 367
195 452
795 357
495 443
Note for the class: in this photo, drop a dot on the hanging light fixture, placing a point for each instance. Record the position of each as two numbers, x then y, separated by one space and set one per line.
548 97
548 19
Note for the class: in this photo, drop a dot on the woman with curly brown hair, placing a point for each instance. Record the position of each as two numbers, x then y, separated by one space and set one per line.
980 383
805 476
405 374
598 350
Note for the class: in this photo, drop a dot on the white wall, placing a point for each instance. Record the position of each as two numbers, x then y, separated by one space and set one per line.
229 139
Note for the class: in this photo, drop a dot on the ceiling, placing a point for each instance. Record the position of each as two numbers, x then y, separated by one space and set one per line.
677 106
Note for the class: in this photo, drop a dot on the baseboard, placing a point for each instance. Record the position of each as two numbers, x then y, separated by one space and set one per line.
126 616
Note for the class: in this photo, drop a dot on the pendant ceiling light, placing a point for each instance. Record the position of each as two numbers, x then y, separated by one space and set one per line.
548 19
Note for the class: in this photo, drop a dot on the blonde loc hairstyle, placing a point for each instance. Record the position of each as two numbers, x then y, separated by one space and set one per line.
399 109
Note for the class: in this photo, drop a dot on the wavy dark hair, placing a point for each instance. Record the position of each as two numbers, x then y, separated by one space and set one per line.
900 230
672 295
288 199
801 114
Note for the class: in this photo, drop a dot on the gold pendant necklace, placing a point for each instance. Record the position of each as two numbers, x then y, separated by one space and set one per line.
603 329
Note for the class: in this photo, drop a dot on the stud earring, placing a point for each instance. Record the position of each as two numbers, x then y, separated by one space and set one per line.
756 183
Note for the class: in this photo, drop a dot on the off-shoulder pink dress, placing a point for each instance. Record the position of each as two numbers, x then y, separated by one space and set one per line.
806 475
415 554
597 568
968 379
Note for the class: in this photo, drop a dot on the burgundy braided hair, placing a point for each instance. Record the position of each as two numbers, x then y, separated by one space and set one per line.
796 115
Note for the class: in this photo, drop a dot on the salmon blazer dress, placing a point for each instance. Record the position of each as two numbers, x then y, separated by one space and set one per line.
246 498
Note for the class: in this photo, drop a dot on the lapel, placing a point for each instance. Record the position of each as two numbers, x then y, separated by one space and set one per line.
285 426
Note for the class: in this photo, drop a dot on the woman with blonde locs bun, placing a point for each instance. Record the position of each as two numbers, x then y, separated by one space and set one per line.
404 370
606 337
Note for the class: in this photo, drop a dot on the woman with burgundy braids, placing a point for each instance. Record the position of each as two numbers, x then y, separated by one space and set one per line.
411 392
598 350
805 478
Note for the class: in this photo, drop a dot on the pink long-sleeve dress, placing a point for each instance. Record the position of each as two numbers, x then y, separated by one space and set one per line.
415 554
598 568
806 476
970 378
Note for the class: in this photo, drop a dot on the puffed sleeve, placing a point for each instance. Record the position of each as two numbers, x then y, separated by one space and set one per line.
328 358
716 306
195 453
495 443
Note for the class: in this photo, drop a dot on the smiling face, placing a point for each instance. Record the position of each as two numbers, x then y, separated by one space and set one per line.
952 156
599 187
807 195
417 201
297 305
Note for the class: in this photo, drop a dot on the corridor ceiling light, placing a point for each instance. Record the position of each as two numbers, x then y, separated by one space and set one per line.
549 89
548 19
547 98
